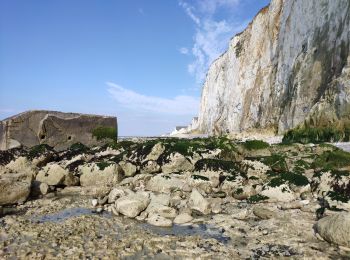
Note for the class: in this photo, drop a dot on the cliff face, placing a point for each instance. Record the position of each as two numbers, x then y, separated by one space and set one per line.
290 65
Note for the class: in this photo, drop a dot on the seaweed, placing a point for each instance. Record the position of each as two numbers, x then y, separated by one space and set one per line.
38 150
230 167
341 192
199 177
276 162
256 198
187 147
103 165
72 167
116 145
5 157
239 191
331 160
79 148
300 166
255 145
288 178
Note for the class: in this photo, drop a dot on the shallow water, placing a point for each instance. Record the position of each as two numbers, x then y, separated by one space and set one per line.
63 215
343 146
202 230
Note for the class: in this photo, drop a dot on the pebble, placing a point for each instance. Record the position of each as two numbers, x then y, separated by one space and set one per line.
44 188
183 218
94 202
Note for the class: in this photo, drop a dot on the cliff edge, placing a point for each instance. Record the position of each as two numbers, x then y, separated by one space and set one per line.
290 66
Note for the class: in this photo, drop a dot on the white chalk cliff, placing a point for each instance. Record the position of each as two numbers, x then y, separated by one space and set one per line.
289 66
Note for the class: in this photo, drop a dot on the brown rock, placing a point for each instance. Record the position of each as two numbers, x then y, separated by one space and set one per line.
57 129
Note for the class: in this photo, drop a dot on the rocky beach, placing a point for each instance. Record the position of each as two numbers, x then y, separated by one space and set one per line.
208 198
262 171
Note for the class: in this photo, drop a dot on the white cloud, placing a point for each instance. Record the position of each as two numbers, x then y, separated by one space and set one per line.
212 36
189 11
179 105
184 50
210 6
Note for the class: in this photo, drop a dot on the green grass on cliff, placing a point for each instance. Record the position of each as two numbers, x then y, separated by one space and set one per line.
104 133
306 135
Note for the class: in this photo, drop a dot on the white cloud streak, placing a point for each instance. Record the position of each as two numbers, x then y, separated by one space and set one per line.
190 12
184 50
212 36
179 105
210 6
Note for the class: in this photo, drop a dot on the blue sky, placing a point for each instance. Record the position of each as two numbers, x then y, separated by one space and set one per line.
143 61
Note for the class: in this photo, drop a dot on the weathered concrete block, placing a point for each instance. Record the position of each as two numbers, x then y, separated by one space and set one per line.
57 129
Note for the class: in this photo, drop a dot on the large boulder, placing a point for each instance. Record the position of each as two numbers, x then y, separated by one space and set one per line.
335 229
115 194
129 168
93 174
159 221
199 203
177 163
281 193
52 174
164 211
205 180
183 218
14 188
256 169
165 184
57 129
150 167
132 205
21 165
156 151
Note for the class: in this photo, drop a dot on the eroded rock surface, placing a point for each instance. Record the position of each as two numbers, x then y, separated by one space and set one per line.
57 129
290 64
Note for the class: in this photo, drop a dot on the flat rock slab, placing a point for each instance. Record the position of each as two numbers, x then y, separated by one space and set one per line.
57 129
263 213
